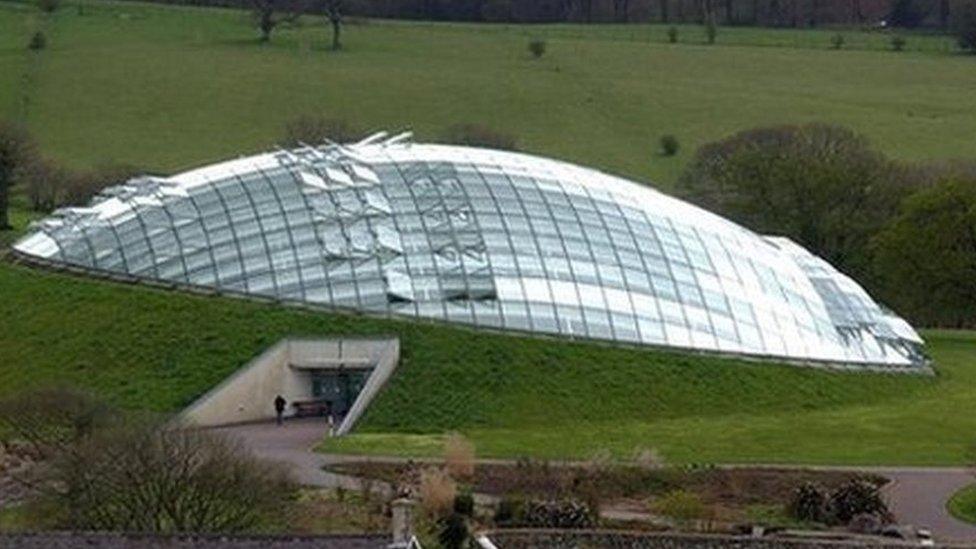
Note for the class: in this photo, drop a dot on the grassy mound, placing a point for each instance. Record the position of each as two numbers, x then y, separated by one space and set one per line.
158 350
574 400
963 504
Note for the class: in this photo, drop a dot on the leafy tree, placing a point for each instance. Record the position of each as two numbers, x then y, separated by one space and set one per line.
269 14
17 150
964 24
821 185
926 257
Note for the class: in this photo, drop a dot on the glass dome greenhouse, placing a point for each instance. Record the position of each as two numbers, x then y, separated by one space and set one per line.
484 238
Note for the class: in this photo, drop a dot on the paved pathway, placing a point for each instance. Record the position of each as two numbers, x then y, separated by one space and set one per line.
917 495
293 444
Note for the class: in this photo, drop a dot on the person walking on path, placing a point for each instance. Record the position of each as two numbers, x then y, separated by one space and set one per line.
279 404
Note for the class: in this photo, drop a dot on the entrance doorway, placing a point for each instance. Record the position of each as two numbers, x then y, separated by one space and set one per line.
339 388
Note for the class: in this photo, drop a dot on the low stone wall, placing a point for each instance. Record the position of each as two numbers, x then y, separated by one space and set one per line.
564 539
133 541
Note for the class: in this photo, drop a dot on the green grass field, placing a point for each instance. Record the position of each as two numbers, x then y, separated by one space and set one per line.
963 504
167 88
158 350
691 411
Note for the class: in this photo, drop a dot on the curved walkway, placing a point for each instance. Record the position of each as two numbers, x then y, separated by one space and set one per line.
917 495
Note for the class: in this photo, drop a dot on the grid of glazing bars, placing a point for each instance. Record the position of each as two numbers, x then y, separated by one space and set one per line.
472 236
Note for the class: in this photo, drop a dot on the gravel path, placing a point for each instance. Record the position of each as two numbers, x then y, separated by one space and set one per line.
917 495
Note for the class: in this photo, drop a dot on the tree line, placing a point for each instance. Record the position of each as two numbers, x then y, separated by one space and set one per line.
775 13
765 13
906 232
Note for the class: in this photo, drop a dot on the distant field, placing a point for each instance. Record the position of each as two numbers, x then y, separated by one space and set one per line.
168 88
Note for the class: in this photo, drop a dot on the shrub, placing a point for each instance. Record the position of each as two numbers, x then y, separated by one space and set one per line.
50 419
669 145
313 129
711 30
459 456
537 48
49 6
673 35
509 511
453 531
558 514
807 503
437 491
898 42
964 24
476 135
464 504
856 497
866 524
837 41
683 506
648 459
37 42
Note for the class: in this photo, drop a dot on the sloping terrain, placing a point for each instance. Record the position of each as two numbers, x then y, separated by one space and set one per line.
158 350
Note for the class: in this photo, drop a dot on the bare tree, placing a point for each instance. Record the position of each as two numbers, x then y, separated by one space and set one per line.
16 151
188 481
48 420
621 10
333 10
97 470
857 14
43 182
269 14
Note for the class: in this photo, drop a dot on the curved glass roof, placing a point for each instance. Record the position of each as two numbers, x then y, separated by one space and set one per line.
485 238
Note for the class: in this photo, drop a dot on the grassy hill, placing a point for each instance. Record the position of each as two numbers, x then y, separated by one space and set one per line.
166 88
158 350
